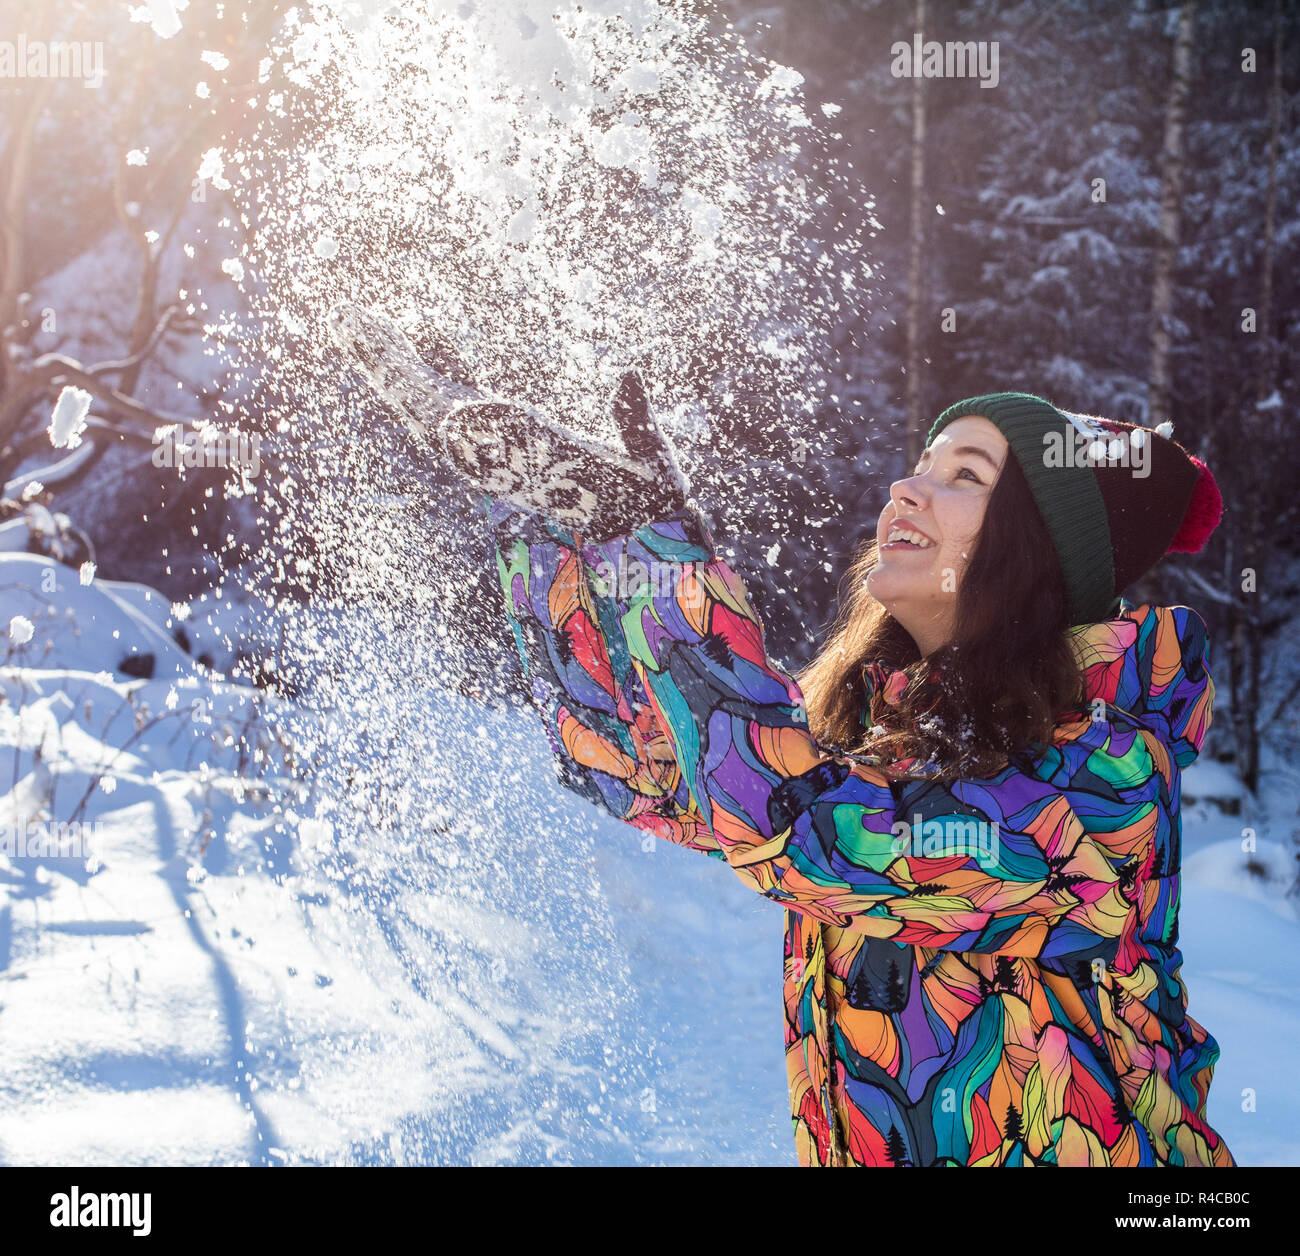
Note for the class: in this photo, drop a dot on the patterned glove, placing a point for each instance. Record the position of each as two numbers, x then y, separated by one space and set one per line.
596 490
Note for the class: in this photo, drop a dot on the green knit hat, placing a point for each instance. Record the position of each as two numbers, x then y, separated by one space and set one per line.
1112 507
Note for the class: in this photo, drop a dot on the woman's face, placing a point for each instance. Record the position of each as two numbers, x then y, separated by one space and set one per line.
926 531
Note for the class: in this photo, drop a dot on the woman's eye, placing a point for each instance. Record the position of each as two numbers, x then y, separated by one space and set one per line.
966 471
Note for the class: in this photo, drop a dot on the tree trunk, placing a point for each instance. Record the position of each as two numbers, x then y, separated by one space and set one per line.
1171 193
915 418
1251 451
1266 355
1258 542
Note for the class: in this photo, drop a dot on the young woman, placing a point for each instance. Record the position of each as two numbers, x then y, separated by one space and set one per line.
968 808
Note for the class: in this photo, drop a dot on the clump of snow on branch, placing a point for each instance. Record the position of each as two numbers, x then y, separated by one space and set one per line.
68 420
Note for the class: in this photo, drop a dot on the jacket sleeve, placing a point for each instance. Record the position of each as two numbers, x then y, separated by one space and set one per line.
1001 865
606 739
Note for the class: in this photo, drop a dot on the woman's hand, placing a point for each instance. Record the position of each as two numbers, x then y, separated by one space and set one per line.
511 452
600 491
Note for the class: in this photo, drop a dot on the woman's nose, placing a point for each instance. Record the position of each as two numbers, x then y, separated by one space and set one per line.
905 493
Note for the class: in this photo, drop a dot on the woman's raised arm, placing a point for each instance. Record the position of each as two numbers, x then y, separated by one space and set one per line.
607 742
655 683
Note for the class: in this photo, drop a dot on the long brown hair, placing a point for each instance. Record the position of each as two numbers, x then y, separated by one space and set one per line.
993 692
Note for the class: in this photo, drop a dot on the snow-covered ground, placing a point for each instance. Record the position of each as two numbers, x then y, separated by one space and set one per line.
289 993
230 979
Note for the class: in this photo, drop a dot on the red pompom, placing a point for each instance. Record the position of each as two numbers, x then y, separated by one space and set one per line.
1203 514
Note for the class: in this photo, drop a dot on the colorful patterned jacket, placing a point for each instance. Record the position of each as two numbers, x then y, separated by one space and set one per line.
982 974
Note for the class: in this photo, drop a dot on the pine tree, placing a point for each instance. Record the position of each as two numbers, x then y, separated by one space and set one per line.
859 992
896 1149
898 991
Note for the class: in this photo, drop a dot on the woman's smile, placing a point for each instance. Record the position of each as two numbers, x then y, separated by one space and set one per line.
905 535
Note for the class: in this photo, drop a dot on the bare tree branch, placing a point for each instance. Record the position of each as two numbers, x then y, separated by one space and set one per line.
57 371
13 213
1284 704
1205 588
169 317
64 470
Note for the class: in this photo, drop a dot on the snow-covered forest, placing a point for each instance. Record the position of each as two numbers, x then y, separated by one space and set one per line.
286 875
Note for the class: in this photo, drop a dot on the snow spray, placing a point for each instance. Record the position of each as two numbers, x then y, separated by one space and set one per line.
541 193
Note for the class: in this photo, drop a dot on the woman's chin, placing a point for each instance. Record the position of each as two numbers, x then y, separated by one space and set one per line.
884 587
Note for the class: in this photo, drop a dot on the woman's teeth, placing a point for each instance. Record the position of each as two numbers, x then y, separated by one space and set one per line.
911 538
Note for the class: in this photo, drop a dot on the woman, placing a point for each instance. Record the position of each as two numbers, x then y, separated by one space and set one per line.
969 806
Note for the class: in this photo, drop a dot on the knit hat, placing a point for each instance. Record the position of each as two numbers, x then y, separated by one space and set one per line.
1116 497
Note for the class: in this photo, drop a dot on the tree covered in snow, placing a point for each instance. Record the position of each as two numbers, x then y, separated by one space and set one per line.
1042 232
109 272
